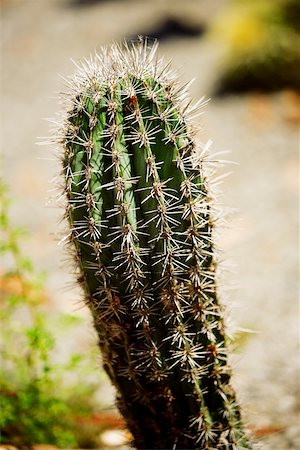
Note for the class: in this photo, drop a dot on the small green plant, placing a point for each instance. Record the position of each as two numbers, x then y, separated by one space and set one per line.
38 404
141 232
261 41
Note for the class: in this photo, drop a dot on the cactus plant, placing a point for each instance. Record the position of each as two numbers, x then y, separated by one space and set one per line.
141 224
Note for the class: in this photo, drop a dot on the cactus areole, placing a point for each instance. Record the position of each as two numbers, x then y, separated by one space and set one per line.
141 226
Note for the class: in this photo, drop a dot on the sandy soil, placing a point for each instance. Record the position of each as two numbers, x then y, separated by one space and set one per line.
262 132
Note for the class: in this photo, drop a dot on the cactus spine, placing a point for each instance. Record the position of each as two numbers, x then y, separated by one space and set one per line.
141 233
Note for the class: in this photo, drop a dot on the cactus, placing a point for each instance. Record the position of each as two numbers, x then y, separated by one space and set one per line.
141 227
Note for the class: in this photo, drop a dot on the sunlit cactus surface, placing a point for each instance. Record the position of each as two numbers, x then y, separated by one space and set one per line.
141 230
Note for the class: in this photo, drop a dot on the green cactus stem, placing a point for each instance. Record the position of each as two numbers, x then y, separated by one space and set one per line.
141 232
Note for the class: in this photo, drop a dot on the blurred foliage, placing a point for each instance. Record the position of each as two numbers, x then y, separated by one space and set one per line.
42 400
261 40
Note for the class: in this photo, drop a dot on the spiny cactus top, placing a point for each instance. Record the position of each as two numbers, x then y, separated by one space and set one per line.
141 232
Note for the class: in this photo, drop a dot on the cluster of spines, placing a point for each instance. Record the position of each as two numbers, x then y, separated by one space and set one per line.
141 225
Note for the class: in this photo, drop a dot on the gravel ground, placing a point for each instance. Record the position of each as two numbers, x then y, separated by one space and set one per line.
262 132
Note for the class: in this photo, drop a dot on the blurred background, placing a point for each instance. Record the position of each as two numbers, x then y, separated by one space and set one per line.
245 56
